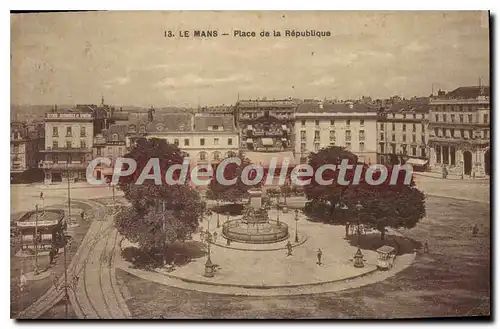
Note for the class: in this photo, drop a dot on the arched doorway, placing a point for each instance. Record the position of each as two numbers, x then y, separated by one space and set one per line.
467 163
487 162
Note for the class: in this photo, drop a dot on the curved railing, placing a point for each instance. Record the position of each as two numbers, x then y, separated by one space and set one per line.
280 233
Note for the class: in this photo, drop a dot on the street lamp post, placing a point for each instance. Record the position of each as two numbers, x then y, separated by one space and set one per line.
218 214
66 286
69 191
296 226
358 256
209 266
35 240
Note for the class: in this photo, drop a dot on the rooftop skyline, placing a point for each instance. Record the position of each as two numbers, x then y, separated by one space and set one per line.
72 58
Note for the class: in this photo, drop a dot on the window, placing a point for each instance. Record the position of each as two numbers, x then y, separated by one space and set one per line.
303 122
229 141
404 127
348 135
99 152
202 141
176 142
393 147
414 116
470 118
316 147
216 141
452 132
202 156
453 118
83 144
215 127
403 147
436 132
381 136
461 116
393 126
316 135
303 135
68 144
114 137
361 135
55 159
332 122
348 145
55 132
394 115
120 151
393 137
316 122
302 147
423 139
361 122
381 126
437 117
485 118
186 141
404 137
332 135
444 117
68 131
361 146
422 152
414 127
83 132
110 151
462 133
348 122
382 148
55 144
413 150
414 138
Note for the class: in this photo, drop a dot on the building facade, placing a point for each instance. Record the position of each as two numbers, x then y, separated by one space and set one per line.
26 142
265 125
349 125
459 132
403 136
69 138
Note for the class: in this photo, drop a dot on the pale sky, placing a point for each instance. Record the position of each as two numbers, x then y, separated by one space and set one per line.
72 58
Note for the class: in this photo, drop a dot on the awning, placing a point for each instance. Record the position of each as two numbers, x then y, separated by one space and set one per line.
249 140
264 158
416 162
267 141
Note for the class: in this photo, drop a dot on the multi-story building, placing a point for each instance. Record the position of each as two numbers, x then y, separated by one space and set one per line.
459 131
266 125
205 139
69 137
110 143
319 125
26 141
402 134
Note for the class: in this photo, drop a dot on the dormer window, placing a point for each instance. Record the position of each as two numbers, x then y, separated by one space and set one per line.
115 137
215 127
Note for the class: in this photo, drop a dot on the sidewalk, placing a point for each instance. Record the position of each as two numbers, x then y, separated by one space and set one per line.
449 177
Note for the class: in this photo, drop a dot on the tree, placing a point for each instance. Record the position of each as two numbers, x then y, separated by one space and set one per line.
384 205
160 214
234 192
387 205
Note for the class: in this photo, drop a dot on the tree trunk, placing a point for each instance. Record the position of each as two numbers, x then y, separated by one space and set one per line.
382 233
346 230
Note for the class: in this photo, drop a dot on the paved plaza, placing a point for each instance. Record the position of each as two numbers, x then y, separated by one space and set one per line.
236 289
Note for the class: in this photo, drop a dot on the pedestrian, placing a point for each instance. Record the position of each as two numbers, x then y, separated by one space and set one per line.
319 254
426 247
475 230
289 247
51 255
228 242
82 215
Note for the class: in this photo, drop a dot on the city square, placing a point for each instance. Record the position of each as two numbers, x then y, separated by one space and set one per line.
329 166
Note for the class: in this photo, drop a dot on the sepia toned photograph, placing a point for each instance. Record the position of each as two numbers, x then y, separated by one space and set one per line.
250 165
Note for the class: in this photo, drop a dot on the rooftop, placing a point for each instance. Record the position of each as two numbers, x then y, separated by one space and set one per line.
334 108
202 123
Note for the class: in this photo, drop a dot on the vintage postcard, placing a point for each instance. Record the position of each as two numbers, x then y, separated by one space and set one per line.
250 165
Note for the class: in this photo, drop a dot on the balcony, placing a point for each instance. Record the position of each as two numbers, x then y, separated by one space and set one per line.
66 150
63 165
